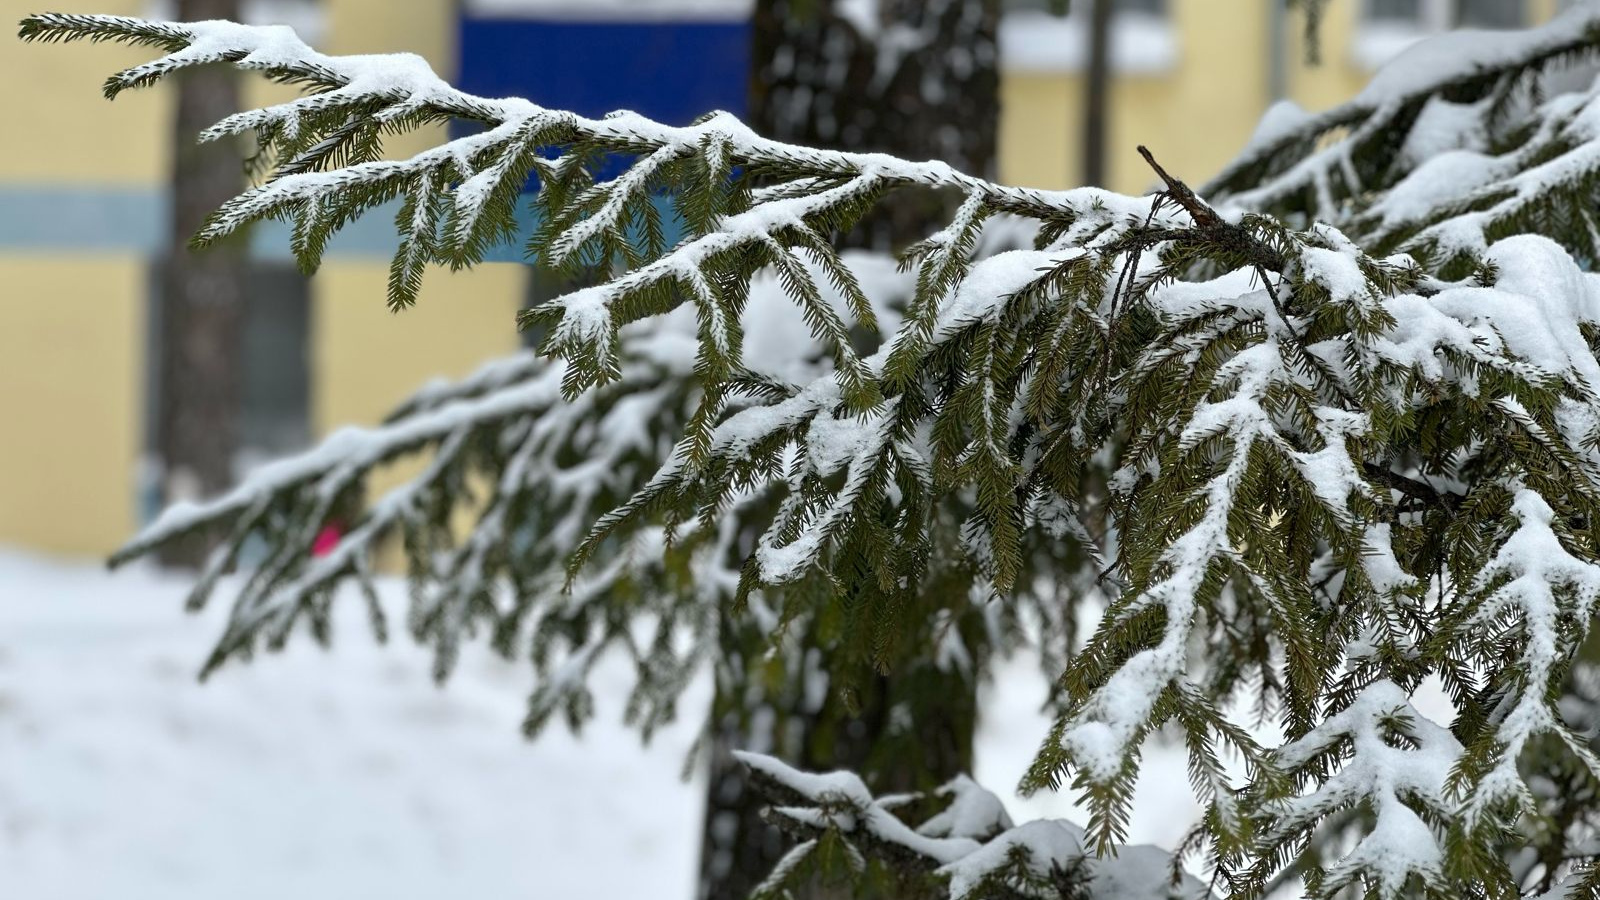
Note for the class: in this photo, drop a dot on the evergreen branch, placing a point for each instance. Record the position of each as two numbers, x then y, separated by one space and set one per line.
1453 61
404 89
971 849
1420 491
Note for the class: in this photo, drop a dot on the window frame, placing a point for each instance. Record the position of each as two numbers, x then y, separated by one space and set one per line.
1432 16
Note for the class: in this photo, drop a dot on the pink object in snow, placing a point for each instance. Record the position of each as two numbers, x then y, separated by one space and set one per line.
327 539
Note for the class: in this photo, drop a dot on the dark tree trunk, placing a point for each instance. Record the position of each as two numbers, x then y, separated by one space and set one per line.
908 731
1097 92
202 300
822 79
920 81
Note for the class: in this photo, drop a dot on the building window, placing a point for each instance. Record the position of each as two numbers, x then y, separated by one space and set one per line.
274 415
1397 11
1144 7
1491 14
1034 39
1388 27
306 17
1437 15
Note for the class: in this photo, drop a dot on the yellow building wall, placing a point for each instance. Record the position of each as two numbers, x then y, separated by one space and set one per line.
366 359
72 336
75 136
1194 116
71 370
1191 116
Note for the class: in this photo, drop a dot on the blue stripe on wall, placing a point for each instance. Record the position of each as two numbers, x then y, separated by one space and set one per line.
133 221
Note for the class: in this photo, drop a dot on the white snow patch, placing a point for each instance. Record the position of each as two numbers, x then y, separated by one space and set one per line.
307 774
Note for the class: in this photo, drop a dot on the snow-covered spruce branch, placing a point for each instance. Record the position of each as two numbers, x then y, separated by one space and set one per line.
513 481
970 847
1384 754
1459 124
326 146
1321 462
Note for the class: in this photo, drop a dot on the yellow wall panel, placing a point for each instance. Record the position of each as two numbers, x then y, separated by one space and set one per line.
1039 131
71 370
1193 116
365 359
59 126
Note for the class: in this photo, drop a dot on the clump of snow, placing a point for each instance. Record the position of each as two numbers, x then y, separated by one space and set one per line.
843 786
1536 306
1544 585
1535 313
991 282
1391 778
1383 570
1465 50
833 441
973 838
1048 841
1336 270
1442 127
863 15
1281 119
973 812
1142 871
1445 177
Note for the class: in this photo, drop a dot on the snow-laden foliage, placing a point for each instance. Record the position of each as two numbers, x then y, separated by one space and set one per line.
1455 146
1324 434
970 846
1384 754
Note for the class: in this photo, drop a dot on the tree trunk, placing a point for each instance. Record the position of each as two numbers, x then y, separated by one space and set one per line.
202 297
918 79
1097 92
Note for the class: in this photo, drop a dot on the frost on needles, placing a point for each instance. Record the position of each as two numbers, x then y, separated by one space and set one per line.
1321 430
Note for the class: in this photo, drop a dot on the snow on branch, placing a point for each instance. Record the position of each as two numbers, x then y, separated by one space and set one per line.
329 173
1535 589
1280 160
970 846
1384 754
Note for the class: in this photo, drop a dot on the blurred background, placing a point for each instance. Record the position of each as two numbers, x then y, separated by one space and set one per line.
132 374
86 198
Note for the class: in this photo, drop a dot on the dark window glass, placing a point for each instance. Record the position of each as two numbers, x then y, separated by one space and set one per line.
1409 11
275 376
1490 14
1148 7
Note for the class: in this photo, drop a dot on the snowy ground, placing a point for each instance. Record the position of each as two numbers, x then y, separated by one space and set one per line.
345 773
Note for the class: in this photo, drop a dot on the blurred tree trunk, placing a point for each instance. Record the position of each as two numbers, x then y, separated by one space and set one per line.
202 296
918 79
1097 92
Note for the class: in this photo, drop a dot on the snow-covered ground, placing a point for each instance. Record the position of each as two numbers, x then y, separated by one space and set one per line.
346 773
